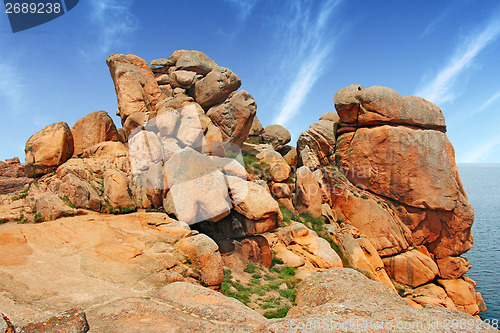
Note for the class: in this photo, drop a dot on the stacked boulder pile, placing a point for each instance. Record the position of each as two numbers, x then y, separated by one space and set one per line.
387 169
372 186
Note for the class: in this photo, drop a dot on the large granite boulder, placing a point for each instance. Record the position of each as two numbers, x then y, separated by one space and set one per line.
377 105
92 129
195 61
411 268
276 135
48 149
135 85
344 300
308 192
234 117
410 161
216 87
316 146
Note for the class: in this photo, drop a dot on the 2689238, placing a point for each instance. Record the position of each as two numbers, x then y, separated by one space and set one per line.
33 8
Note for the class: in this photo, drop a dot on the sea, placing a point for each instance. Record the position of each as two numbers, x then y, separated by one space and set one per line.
482 185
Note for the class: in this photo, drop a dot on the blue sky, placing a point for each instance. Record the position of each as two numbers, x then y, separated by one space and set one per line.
292 56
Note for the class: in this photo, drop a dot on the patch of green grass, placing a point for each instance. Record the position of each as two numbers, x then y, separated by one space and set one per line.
227 274
291 294
279 313
38 218
314 223
364 196
119 209
275 285
249 159
255 281
251 268
2 221
225 287
287 272
277 261
288 215
126 210
188 260
270 303
255 293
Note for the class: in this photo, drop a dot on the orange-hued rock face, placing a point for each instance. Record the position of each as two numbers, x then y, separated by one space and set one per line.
315 147
135 85
367 212
377 105
308 192
234 116
47 149
411 268
94 128
413 167
396 147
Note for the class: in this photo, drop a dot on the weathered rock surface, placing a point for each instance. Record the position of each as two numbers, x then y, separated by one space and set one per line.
411 268
308 192
72 320
344 300
12 176
316 146
95 259
462 293
256 130
452 267
289 154
362 255
433 295
276 135
289 243
411 161
234 117
48 149
179 79
177 307
94 128
195 61
198 190
368 213
135 85
255 204
216 87
277 168
376 105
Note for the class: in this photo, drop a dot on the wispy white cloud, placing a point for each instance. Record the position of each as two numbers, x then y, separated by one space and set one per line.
482 151
440 89
489 101
308 48
434 23
113 22
244 7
